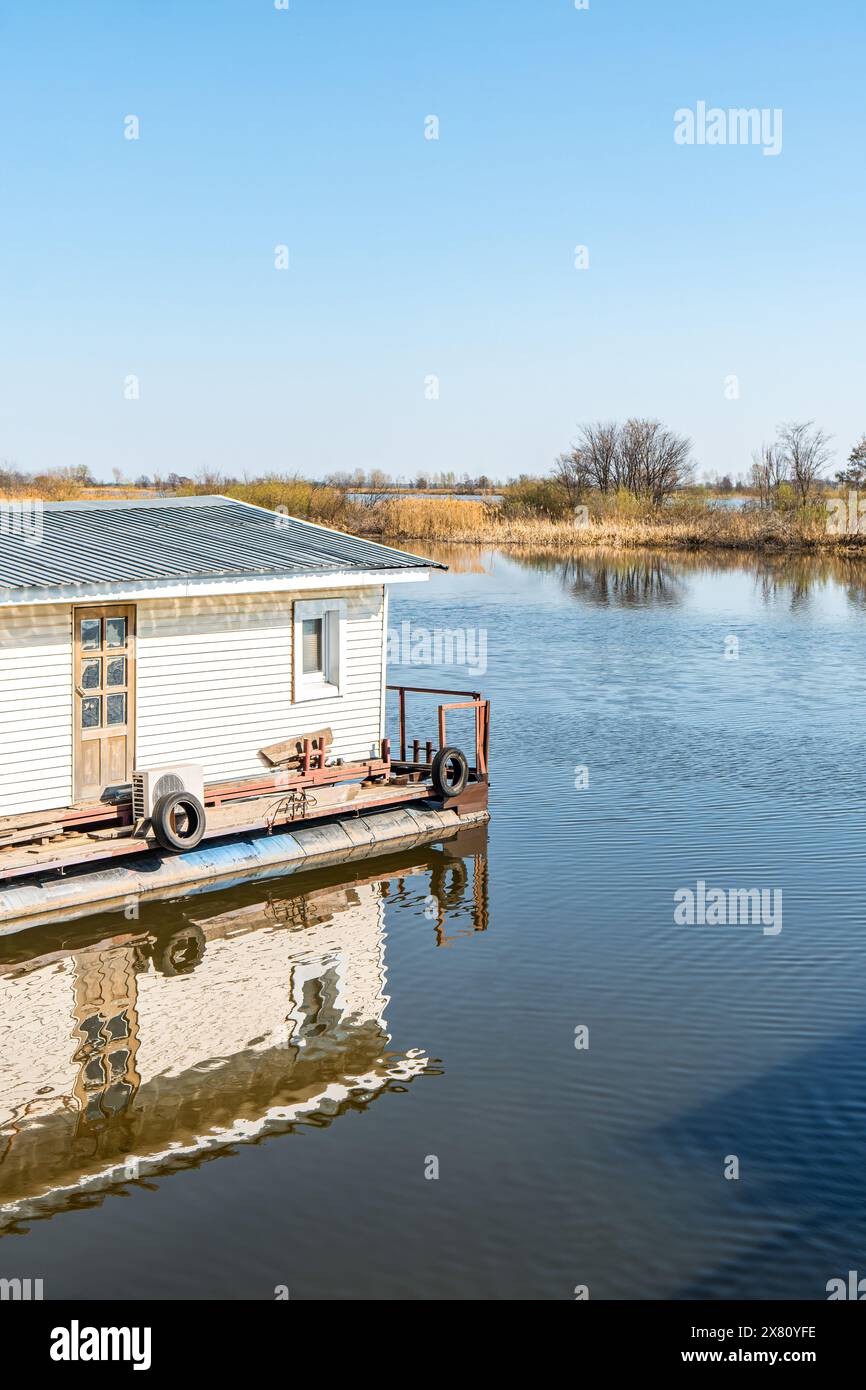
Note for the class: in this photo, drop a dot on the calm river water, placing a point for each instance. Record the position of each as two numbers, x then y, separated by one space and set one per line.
247 1090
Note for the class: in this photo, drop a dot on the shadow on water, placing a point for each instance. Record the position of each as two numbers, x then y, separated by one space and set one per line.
798 1204
207 1022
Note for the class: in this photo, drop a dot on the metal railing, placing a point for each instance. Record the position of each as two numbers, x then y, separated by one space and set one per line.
472 699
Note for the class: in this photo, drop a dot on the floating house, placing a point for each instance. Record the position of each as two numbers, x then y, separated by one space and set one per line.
181 669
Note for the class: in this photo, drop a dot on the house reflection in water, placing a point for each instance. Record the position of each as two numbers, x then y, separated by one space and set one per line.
217 1019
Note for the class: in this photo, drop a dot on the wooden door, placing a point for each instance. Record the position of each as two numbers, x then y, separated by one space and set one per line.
104 698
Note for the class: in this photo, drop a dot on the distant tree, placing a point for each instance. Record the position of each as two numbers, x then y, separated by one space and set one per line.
599 444
855 474
725 484
11 477
591 463
143 481
807 451
642 457
207 481
651 460
80 474
769 471
571 474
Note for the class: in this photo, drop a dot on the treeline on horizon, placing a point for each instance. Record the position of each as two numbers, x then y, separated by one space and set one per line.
649 463
628 470
373 480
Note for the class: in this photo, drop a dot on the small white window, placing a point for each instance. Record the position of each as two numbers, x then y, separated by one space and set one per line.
312 647
319 659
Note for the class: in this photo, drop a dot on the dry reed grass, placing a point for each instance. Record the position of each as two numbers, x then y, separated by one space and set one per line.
47 487
683 527
625 525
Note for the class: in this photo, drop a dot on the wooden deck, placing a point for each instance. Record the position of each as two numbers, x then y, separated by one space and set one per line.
99 831
260 813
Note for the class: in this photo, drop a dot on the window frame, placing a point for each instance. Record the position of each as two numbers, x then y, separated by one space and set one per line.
330 684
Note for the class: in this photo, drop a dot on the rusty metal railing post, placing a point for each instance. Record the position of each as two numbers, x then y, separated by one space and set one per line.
475 702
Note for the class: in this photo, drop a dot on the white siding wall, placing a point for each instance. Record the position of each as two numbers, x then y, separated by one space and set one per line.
215 681
35 708
214 686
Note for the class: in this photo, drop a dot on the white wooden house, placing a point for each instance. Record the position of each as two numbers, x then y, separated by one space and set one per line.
195 630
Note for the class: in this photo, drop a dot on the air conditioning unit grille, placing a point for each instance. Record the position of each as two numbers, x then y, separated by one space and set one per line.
168 782
150 784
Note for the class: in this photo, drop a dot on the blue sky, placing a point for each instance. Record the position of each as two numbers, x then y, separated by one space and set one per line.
410 257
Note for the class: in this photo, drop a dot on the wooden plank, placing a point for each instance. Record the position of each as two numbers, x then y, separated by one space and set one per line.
282 780
37 832
292 749
120 813
70 815
244 818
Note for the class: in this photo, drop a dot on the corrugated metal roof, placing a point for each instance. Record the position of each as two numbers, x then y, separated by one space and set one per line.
116 542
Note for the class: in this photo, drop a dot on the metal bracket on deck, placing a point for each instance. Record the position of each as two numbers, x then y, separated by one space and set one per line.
293 806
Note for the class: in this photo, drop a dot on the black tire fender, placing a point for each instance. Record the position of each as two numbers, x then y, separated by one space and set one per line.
164 821
450 772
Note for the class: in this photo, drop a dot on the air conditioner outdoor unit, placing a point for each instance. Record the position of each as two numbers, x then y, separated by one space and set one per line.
151 783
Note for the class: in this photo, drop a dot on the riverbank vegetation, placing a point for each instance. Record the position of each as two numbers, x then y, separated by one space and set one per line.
684 524
628 486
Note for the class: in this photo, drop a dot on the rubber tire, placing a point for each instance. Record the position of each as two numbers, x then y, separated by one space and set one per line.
439 772
160 821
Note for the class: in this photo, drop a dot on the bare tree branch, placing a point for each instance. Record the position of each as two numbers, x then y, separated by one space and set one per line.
806 450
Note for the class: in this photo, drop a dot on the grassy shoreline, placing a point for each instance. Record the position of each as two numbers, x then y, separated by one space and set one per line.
686 528
688 524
